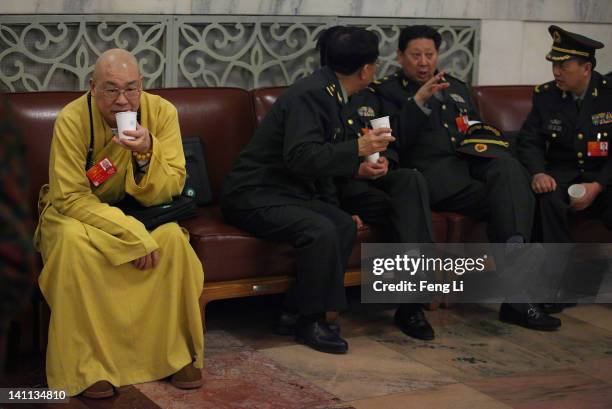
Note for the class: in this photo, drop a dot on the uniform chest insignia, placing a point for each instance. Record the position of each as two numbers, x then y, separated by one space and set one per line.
458 98
404 83
366 111
601 118
555 125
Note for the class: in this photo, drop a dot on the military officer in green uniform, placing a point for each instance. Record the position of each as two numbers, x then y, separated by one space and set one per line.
384 195
429 139
564 140
281 187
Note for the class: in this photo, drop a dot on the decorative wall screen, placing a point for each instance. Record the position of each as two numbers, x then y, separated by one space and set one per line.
58 52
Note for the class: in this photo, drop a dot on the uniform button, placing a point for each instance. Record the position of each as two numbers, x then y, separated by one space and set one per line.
580 135
350 122
579 154
581 162
445 125
581 170
453 138
605 134
554 135
444 107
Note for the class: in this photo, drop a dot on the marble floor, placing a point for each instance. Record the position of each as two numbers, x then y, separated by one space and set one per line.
474 362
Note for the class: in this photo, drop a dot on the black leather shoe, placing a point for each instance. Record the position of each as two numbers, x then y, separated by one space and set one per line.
528 316
287 320
555 307
318 335
413 323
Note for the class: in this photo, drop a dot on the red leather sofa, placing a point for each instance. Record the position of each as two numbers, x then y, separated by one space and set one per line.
235 263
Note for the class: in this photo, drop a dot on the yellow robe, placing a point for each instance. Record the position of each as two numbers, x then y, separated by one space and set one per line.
109 320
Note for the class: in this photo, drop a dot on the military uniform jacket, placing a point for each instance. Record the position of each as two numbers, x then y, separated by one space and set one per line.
555 137
306 140
427 143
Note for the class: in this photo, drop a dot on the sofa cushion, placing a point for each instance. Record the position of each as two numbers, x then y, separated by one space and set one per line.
229 253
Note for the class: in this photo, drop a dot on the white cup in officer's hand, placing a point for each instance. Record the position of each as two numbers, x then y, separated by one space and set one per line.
576 192
126 121
382 122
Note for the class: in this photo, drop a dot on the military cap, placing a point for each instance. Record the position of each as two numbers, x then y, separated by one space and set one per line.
484 140
568 45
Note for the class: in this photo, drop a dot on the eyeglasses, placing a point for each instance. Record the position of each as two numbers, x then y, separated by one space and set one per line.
113 93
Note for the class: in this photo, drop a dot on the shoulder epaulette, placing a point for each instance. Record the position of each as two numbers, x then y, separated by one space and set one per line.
542 87
386 78
455 78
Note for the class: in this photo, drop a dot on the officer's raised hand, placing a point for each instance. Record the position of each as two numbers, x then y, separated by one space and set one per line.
543 183
593 189
373 170
435 84
376 140
142 140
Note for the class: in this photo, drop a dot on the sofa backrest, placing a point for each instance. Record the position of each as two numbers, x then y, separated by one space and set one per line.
263 99
505 106
34 114
223 120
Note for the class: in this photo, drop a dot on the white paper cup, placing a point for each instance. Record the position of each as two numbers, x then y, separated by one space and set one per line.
382 122
126 121
576 192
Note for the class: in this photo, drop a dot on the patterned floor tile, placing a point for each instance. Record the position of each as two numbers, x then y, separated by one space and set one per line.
455 396
369 369
559 389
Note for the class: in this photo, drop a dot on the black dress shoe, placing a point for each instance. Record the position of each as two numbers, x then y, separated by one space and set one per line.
412 322
318 335
555 307
287 320
528 316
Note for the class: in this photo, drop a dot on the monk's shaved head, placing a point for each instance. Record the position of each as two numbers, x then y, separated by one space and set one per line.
114 59
116 84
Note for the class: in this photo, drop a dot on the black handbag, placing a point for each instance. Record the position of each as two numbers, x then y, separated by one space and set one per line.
197 184
181 208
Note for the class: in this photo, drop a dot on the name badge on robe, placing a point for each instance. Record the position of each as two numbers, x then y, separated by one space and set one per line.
597 149
101 171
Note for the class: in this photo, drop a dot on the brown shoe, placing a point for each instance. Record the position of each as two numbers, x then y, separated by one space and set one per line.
189 377
99 390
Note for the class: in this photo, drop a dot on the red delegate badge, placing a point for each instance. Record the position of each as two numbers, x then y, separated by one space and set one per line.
597 149
101 171
462 123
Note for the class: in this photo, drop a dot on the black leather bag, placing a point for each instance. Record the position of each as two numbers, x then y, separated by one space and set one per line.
181 208
197 184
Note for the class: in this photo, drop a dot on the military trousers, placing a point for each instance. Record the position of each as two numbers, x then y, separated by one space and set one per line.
553 212
398 202
500 193
323 236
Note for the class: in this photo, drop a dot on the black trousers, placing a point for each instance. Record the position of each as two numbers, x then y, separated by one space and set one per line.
553 212
398 202
500 193
323 236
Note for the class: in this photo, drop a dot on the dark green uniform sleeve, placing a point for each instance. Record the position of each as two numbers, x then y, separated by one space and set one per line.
531 145
307 151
